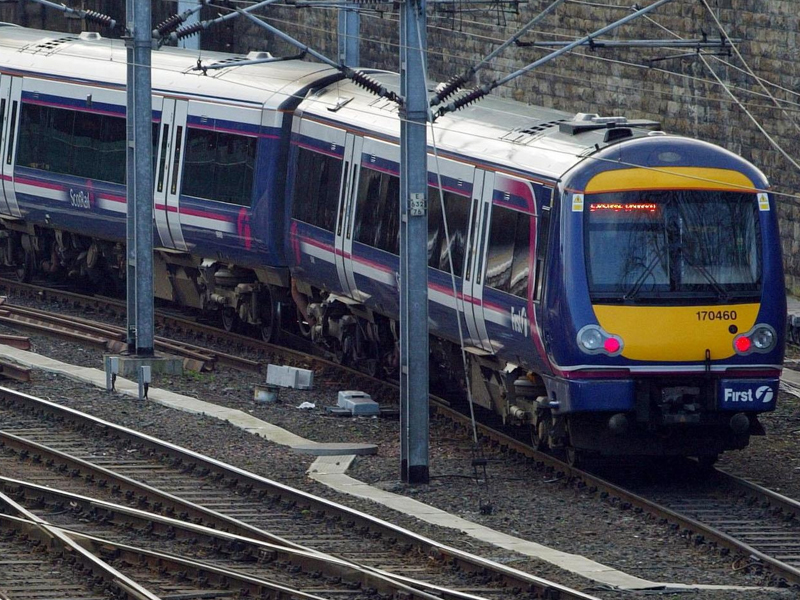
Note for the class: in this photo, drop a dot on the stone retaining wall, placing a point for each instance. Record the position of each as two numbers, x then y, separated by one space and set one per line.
681 92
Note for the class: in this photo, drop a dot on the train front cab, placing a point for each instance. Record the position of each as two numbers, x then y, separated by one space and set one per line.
665 313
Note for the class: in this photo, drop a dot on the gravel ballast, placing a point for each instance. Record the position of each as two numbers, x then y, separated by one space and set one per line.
526 502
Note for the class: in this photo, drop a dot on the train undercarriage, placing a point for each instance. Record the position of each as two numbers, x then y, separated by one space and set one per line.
269 302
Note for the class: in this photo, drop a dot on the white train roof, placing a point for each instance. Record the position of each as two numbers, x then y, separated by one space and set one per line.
92 58
493 130
500 132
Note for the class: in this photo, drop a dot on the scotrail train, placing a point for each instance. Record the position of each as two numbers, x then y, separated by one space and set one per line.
620 290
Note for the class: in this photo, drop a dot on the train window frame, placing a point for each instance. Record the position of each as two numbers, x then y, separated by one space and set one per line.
162 163
321 195
80 133
376 222
12 131
542 242
2 114
176 159
207 175
515 253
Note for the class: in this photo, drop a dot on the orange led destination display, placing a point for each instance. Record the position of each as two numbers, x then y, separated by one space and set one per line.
617 207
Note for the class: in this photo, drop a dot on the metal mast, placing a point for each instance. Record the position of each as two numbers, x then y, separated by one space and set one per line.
139 181
414 419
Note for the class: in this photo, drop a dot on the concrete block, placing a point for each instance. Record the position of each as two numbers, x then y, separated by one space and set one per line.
358 403
291 377
128 366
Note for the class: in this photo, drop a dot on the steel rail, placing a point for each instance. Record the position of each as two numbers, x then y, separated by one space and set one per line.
301 352
722 539
365 576
513 578
127 486
41 530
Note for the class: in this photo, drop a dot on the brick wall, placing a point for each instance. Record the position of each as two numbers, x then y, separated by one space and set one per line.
681 93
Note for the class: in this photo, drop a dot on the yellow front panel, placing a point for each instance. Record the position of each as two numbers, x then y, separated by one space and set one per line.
676 333
672 178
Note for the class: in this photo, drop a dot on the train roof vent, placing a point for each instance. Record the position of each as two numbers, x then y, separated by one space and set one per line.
258 55
526 134
50 45
234 60
90 36
583 122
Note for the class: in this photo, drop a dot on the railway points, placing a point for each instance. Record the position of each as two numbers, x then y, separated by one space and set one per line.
330 470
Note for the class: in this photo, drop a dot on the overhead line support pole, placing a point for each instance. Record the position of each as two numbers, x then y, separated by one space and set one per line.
349 31
130 187
414 417
139 180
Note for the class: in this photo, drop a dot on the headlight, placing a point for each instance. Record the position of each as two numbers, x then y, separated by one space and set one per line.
761 338
591 339
594 340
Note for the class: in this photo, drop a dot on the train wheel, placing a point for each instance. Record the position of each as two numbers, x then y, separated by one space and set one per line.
230 320
575 457
270 326
25 266
540 430
303 326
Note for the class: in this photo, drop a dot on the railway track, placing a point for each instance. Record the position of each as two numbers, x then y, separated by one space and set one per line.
51 446
736 516
203 346
32 568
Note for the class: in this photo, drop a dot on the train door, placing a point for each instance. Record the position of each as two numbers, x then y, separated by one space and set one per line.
343 251
169 166
10 107
480 213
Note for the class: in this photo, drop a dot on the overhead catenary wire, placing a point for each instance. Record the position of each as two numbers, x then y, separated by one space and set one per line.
794 198
86 15
747 66
554 74
484 90
456 83
358 77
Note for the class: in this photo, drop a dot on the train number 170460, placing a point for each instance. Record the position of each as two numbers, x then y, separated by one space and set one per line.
716 315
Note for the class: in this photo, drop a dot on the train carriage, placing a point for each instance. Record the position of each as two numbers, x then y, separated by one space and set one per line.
617 290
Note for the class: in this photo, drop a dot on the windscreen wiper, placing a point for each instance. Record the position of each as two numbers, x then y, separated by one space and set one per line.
722 294
634 289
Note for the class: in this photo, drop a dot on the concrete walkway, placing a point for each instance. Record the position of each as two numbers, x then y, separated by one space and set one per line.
331 466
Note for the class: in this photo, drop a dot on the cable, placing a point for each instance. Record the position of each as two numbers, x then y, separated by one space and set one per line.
752 118
744 62
478 457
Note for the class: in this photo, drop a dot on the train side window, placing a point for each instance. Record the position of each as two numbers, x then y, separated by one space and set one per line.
542 241
457 212
85 134
77 143
162 164
390 217
507 261
521 267
369 205
316 189
111 150
33 138
177 160
377 221
435 227
12 132
219 166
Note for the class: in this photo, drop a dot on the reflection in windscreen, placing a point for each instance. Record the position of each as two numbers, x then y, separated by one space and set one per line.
672 243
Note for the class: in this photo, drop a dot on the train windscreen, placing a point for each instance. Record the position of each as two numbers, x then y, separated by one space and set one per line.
659 245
